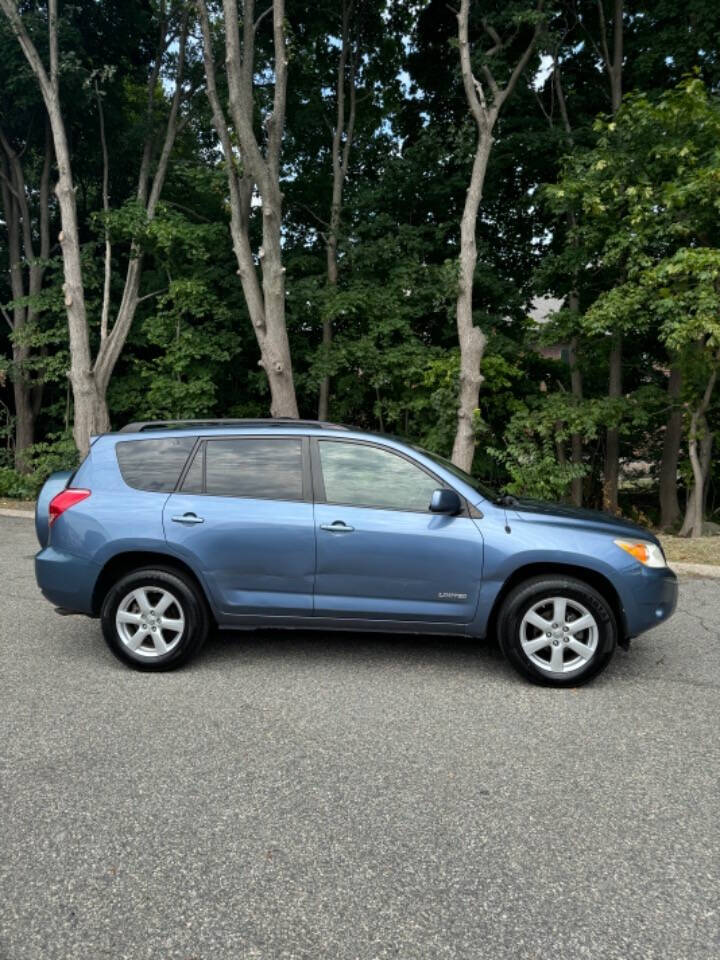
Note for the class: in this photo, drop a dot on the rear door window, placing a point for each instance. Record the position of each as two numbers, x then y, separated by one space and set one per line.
153 465
264 468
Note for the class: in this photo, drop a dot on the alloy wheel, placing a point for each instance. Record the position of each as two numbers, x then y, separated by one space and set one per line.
559 635
150 621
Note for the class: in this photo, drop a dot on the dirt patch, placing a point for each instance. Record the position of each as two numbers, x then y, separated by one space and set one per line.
7 504
700 550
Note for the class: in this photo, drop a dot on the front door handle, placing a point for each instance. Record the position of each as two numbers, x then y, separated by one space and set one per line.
188 518
337 527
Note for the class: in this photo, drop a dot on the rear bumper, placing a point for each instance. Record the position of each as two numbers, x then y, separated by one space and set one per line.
649 598
65 580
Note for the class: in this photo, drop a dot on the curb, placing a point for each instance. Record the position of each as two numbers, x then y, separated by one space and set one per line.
696 570
682 569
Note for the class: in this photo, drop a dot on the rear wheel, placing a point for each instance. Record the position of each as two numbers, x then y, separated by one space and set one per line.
154 619
557 630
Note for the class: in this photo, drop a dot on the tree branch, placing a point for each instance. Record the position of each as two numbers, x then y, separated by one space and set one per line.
603 37
105 312
473 90
239 71
239 191
7 317
52 25
523 61
494 36
44 199
562 104
262 17
350 131
111 347
144 174
613 66
28 47
276 123
149 296
172 125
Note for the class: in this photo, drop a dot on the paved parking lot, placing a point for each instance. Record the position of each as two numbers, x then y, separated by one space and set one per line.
353 797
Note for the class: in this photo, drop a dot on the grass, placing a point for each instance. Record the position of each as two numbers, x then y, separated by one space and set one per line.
700 550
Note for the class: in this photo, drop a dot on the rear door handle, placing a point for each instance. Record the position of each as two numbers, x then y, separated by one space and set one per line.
337 527
188 518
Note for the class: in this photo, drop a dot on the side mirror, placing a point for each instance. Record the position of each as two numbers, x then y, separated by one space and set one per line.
445 501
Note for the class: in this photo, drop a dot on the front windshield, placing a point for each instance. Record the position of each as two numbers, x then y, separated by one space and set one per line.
482 488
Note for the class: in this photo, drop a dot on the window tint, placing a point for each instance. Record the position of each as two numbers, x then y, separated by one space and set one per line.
153 464
366 476
267 469
193 482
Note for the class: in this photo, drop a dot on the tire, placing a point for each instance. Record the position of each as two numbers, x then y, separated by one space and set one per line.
540 641
154 619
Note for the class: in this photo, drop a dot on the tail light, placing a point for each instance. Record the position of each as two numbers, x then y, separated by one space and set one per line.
63 501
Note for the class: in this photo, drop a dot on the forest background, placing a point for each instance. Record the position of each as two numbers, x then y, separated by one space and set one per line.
491 228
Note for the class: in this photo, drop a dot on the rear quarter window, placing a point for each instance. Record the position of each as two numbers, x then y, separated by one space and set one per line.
153 465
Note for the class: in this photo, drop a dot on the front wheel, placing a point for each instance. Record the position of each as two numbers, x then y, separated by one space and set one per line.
557 631
154 619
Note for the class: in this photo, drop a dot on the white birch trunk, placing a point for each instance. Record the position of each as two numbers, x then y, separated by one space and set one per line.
471 339
266 301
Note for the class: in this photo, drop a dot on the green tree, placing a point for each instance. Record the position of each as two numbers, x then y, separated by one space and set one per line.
648 193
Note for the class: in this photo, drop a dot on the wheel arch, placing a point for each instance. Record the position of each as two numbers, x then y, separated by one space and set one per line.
123 563
594 579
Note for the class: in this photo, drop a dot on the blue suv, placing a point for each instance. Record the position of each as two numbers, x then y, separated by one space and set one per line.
170 529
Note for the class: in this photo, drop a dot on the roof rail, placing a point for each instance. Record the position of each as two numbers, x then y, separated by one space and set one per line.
141 425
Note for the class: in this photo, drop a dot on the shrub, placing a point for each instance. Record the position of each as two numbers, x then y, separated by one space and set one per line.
57 453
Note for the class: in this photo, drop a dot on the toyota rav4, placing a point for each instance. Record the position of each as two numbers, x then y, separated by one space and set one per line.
167 530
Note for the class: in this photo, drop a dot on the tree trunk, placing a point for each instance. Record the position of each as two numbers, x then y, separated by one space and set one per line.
669 505
10 193
81 375
614 68
24 421
612 438
340 159
89 381
576 385
18 220
576 445
113 340
471 338
332 279
266 304
695 507
275 347
324 394
700 462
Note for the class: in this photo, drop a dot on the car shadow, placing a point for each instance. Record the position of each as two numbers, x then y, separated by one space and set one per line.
264 645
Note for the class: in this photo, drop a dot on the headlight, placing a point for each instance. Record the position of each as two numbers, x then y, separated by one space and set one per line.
649 554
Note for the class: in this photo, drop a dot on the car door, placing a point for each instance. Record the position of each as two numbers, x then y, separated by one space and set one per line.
381 553
243 518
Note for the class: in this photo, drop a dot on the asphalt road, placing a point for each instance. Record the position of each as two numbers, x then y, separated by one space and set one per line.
353 798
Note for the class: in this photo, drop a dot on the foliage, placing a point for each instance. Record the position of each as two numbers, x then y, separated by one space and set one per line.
57 452
623 214
533 445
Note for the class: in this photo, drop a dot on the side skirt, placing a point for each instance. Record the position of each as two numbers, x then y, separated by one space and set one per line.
338 623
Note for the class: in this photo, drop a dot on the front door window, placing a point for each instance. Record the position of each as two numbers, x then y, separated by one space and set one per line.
360 475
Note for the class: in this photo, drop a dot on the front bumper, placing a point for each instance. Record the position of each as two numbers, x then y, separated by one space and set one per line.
65 580
649 597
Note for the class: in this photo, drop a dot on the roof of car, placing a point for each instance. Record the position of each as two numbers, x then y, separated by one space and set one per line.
143 426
